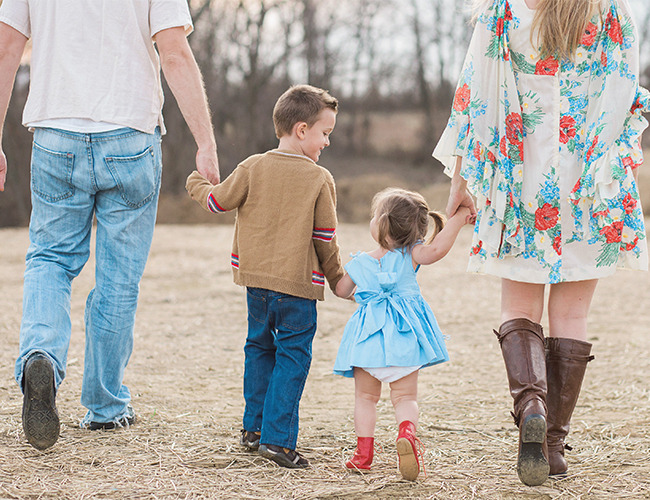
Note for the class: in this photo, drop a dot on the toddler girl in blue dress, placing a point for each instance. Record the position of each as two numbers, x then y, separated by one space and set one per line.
393 333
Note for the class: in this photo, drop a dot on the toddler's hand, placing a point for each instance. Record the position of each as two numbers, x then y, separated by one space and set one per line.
466 214
345 288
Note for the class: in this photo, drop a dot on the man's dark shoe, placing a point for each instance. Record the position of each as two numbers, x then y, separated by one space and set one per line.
126 421
250 440
40 418
291 459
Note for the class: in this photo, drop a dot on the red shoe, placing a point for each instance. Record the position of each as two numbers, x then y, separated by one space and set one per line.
408 450
362 458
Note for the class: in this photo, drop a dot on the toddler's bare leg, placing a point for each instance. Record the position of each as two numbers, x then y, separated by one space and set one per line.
367 390
404 396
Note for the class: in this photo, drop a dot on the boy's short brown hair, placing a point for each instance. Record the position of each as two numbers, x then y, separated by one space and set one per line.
301 103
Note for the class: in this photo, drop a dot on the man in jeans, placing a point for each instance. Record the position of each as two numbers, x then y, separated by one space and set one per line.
95 105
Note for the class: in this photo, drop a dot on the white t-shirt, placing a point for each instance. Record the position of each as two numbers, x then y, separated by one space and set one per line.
95 60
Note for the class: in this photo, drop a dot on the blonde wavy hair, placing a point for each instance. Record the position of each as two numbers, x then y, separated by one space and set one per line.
402 218
558 24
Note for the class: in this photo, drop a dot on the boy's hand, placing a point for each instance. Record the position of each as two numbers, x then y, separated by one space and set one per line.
345 288
196 185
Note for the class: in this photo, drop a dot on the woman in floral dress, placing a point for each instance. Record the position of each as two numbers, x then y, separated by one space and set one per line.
545 132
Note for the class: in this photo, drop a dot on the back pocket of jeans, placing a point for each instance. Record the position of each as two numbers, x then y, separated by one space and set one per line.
51 174
137 177
297 313
257 305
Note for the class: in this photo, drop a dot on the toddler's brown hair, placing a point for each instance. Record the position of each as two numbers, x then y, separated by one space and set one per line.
403 218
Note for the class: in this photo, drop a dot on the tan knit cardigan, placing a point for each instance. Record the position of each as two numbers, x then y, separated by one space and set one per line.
285 230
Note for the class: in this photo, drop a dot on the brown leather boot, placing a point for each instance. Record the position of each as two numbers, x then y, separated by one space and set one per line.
566 363
522 346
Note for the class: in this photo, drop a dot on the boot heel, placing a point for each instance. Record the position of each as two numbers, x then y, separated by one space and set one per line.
533 430
532 466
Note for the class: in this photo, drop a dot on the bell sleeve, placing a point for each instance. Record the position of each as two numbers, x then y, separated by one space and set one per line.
486 129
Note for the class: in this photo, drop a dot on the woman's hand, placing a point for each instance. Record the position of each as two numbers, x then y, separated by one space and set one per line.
465 214
459 196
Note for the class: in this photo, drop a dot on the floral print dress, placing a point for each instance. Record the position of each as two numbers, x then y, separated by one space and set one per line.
549 146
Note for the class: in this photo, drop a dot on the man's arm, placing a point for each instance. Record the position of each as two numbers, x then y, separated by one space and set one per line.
12 44
184 79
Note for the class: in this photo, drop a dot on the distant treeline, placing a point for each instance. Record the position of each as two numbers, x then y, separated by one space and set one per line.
394 58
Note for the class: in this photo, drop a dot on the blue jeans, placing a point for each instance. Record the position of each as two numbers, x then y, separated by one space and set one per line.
115 177
281 330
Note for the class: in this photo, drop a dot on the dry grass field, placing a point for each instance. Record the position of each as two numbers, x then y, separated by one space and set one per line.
186 379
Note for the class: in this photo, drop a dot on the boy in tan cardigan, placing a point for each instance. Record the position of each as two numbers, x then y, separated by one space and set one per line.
283 250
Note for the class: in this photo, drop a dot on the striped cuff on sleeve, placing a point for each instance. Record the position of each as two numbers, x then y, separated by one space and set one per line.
213 206
323 234
317 278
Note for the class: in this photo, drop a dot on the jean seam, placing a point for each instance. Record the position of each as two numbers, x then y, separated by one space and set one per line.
295 417
281 416
96 136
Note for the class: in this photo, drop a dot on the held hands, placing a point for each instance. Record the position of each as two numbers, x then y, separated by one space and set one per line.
345 288
465 214
207 164
459 196
3 170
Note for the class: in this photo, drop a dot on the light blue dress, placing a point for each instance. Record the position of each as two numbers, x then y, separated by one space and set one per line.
393 325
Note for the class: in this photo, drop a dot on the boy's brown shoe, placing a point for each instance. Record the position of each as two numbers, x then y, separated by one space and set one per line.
250 440
290 459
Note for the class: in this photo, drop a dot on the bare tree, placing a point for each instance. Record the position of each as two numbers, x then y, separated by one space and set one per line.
375 56
318 21
359 43
425 95
260 51
644 44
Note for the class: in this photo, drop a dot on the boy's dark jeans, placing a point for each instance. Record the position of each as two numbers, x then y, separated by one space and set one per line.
281 330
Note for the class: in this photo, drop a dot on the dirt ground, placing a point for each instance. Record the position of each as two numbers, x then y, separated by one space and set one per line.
186 379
